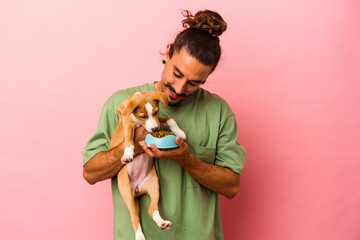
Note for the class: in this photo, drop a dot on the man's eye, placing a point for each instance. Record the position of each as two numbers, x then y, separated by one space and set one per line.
178 76
194 83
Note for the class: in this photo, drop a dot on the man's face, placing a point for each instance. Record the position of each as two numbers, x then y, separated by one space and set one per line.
182 75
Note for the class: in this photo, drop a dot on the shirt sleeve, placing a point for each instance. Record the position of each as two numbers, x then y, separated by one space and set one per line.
100 140
229 153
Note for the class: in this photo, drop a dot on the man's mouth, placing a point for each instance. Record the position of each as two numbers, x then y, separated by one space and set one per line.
173 95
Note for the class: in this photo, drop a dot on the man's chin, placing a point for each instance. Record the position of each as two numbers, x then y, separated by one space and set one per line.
174 102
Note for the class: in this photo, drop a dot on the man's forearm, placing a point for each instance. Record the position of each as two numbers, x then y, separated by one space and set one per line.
218 179
103 165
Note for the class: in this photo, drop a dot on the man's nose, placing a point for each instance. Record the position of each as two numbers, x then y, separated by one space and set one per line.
180 87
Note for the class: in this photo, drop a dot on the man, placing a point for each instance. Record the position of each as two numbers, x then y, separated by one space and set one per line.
208 163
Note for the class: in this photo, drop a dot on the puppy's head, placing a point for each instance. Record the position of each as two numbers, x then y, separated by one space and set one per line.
143 108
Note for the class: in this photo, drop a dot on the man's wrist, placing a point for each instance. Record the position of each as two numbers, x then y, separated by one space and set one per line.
190 161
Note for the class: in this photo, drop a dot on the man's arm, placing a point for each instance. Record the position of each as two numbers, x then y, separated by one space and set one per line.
218 179
106 164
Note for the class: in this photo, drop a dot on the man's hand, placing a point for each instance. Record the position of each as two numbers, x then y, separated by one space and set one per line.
179 155
139 135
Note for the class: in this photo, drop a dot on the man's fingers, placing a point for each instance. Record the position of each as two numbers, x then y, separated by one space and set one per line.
169 154
146 149
153 152
179 141
156 152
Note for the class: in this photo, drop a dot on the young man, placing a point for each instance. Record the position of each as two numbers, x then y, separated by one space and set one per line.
208 163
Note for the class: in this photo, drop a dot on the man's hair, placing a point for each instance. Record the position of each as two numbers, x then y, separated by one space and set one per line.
201 37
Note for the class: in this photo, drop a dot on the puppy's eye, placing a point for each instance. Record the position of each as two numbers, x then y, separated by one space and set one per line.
156 113
143 117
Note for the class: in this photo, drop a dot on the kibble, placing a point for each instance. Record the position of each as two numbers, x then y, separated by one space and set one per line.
161 134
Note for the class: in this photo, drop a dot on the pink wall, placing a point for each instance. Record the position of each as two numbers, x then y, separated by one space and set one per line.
290 70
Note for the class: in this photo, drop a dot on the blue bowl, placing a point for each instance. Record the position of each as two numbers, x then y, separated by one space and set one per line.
166 142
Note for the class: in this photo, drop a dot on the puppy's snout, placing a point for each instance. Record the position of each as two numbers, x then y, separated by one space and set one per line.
155 129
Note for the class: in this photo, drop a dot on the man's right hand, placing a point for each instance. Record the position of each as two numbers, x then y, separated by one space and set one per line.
139 135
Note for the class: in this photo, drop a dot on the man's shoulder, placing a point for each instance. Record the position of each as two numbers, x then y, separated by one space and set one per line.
212 98
209 95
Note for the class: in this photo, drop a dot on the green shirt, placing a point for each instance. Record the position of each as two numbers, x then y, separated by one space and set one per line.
194 210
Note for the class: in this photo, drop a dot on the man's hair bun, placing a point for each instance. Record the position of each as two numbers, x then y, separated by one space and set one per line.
206 20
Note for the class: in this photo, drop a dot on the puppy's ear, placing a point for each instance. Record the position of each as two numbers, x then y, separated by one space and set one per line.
126 109
162 97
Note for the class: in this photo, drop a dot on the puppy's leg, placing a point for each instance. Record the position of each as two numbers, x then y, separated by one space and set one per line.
118 134
168 121
130 202
129 128
151 186
139 235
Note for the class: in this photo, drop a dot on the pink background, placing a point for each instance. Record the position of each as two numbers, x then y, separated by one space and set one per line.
290 71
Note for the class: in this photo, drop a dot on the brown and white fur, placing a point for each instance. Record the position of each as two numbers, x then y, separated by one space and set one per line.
138 176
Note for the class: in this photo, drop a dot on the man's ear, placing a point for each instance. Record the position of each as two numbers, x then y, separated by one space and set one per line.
162 97
127 109
167 52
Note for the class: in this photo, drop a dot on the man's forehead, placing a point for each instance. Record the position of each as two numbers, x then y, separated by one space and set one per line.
189 66
199 76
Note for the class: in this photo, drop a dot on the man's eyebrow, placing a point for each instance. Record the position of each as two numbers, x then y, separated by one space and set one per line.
178 71
197 81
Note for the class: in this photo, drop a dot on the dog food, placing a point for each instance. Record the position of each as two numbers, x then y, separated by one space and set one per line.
162 133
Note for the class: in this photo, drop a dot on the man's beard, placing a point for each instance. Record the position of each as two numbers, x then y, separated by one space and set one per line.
173 90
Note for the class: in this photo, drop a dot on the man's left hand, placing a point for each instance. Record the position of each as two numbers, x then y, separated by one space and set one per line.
179 154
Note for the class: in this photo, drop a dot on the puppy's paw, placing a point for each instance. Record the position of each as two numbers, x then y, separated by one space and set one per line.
181 133
128 155
165 225
125 160
175 128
